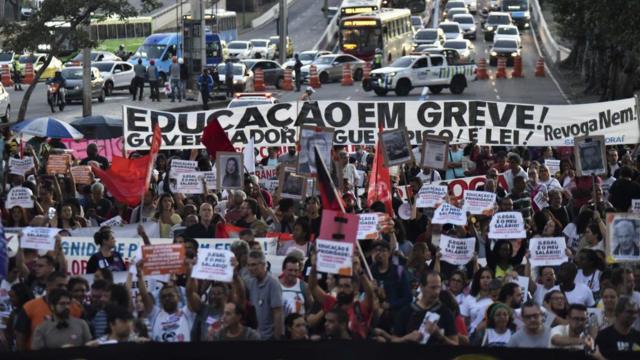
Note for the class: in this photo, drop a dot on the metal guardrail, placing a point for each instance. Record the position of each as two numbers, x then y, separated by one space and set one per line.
329 38
549 44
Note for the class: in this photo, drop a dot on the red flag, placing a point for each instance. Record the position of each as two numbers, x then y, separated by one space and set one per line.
328 194
380 182
215 139
128 179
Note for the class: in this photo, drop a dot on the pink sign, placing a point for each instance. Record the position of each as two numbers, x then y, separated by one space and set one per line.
106 148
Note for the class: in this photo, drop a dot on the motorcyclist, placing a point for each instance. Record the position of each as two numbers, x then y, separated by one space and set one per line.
377 59
60 80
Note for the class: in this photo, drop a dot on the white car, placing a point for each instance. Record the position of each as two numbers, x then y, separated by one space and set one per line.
242 77
240 50
467 24
306 58
5 105
509 32
464 47
6 58
451 30
264 48
429 36
117 75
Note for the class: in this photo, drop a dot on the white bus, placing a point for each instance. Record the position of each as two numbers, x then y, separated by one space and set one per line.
386 29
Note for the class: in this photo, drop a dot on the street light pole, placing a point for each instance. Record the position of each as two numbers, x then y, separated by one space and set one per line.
86 75
283 31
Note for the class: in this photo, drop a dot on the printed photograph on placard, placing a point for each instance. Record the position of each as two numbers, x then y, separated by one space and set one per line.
310 137
590 157
291 186
396 147
434 152
623 240
229 170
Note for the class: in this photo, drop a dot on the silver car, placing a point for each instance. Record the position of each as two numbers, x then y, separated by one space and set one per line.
330 67
273 72
306 58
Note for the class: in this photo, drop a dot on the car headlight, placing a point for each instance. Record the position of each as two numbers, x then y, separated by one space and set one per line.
77 87
493 53
489 28
392 74
514 54
527 15
473 29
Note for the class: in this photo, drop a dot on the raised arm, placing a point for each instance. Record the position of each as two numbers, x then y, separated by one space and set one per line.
142 287
316 291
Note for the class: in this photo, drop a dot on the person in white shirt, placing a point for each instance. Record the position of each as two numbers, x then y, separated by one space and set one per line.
571 336
168 322
546 282
474 306
428 176
588 272
576 293
296 297
547 180
515 170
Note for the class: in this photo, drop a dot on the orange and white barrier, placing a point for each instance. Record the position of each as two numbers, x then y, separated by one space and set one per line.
540 67
314 79
347 78
287 83
258 80
501 71
6 76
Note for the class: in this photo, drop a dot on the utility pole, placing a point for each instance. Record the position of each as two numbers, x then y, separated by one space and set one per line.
283 31
203 37
86 75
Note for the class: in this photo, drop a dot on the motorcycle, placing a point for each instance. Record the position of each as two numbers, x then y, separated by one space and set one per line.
55 97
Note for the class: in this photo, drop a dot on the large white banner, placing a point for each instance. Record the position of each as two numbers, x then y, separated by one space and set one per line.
357 122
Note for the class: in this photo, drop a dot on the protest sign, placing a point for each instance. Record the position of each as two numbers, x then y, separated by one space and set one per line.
19 196
334 257
635 206
431 196
267 172
479 202
114 221
541 200
269 185
449 214
58 164
39 238
269 245
369 225
213 265
623 240
429 318
163 259
189 183
182 166
20 166
457 251
356 122
457 187
81 174
507 225
106 147
547 251
125 231
553 165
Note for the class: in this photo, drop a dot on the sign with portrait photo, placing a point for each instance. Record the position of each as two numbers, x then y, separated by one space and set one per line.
623 240
291 186
229 170
396 147
311 137
590 155
434 152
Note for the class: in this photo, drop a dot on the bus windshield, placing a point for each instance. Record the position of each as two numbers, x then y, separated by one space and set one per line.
150 51
360 39
515 5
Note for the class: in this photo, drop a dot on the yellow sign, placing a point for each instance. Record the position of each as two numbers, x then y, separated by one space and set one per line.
350 23
349 46
357 10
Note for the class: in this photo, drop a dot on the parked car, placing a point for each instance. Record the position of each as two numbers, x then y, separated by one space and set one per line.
38 60
251 99
330 67
273 72
5 105
240 50
264 48
242 77
95 57
74 86
306 58
117 75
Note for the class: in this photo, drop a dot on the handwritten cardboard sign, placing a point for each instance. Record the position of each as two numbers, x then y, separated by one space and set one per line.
163 259
507 225
431 196
213 265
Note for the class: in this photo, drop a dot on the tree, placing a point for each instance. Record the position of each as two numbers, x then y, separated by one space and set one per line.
75 13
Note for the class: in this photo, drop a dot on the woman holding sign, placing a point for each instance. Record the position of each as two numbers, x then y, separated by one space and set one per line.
166 215
106 257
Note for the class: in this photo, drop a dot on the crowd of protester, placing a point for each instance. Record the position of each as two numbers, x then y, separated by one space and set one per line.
586 303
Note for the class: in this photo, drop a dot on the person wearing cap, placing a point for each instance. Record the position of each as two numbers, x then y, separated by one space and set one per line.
174 77
391 278
154 76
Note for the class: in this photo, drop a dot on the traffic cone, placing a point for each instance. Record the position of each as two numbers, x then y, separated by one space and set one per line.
28 74
540 67
366 71
482 70
314 79
258 80
501 72
287 83
517 67
347 79
6 76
